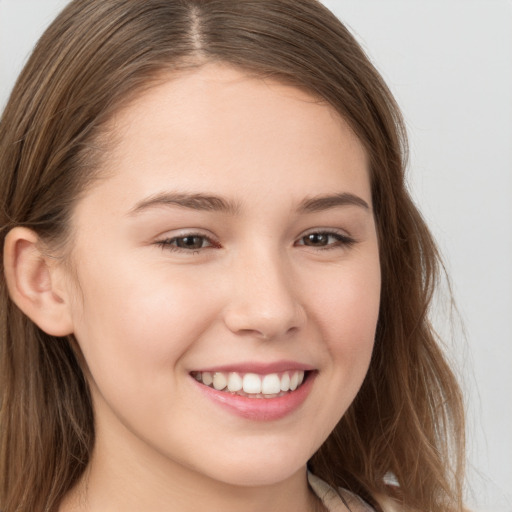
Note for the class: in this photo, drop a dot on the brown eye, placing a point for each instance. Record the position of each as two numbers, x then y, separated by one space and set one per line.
188 243
191 242
317 239
325 240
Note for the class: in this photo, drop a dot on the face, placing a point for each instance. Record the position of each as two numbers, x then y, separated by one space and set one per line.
229 255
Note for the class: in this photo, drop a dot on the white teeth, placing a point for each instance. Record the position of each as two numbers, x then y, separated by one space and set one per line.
234 382
271 384
294 381
219 381
285 382
252 383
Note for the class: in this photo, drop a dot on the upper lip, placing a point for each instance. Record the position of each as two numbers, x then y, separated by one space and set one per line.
259 367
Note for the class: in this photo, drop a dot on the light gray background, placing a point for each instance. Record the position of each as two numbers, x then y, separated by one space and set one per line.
449 63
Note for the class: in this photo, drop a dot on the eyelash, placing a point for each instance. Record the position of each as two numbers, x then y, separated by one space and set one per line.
169 243
341 240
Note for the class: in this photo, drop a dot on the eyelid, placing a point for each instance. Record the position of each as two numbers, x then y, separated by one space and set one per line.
167 242
343 239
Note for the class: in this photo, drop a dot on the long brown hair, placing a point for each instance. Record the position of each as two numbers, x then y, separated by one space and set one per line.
407 419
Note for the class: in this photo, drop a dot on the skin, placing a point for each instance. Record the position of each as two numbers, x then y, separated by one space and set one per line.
146 313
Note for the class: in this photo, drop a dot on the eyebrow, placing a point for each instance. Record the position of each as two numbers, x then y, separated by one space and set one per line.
201 202
211 203
326 202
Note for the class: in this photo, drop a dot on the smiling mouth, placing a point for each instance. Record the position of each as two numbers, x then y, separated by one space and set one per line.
253 385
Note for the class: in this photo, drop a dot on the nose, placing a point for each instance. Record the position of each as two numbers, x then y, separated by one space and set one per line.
263 301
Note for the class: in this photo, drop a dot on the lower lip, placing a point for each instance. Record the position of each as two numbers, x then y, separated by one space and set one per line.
261 409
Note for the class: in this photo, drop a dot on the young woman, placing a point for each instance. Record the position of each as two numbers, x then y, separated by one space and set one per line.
215 285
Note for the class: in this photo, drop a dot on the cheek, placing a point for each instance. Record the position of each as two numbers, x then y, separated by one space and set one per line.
129 322
346 307
349 301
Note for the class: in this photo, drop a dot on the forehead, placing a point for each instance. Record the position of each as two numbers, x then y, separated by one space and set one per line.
215 126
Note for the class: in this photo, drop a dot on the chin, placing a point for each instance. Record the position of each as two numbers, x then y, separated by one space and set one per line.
261 467
268 475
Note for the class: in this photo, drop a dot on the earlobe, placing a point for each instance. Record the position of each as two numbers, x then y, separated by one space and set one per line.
34 281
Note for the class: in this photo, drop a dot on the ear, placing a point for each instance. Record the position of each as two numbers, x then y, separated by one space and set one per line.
36 282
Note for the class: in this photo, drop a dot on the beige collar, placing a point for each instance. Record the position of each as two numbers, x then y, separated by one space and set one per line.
333 501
